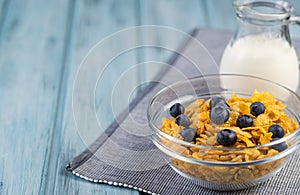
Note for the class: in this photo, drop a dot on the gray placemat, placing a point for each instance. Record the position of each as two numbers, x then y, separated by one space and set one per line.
122 157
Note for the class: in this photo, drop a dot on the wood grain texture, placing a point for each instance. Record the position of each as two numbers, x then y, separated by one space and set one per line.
176 14
92 21
31 53
4 7
221 14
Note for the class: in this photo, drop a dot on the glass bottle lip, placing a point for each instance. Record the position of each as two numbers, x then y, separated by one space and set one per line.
249 9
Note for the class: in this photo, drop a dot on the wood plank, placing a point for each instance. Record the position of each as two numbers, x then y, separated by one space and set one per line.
175 14
93 21
4 7
31 53
221 15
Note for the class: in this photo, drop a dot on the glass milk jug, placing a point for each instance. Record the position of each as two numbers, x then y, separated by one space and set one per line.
262 45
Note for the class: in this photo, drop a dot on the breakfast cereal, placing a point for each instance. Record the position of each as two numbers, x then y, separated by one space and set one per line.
239 123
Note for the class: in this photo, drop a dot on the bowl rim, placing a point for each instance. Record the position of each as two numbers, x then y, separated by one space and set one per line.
181 142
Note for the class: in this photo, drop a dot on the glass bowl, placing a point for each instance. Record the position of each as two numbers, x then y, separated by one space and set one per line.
214 174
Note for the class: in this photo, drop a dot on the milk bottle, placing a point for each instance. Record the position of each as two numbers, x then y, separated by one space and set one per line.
262 46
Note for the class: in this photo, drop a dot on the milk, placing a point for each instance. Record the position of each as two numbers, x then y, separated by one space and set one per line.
262 56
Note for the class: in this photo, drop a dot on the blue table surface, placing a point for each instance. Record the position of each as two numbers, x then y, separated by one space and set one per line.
41 46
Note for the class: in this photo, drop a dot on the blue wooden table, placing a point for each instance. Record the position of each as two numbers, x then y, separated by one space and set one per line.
41 46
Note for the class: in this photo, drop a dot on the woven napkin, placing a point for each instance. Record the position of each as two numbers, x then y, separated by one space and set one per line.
123 157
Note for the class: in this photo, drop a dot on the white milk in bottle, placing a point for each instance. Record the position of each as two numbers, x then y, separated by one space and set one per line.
263 56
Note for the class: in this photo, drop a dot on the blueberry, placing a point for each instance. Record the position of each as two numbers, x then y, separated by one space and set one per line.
188 134
279 147
226 137
257 108
183 120
276 130
219 114
176 110
244 121
214 100
225 105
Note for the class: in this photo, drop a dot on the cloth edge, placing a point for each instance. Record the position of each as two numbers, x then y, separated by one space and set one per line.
90 150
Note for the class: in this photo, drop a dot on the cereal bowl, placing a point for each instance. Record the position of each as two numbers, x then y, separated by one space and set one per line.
255 155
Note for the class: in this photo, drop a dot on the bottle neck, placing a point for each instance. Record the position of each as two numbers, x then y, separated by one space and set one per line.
276 29
263 17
